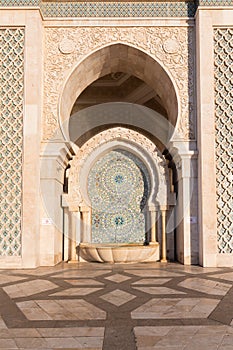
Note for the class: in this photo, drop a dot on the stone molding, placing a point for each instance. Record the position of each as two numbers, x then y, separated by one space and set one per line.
172 47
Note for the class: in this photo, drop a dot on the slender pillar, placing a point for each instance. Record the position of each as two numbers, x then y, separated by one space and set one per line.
86 223
164 246
73 243
153 226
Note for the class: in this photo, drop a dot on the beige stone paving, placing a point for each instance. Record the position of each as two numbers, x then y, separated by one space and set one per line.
8 279
29 288
152 281
224 276
153 273
84 282
175 308
118 297
60 310
184 337
205 286
80 274
158 290
76 291
117 278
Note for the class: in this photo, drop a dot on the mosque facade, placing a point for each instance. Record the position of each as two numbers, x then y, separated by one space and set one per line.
116 132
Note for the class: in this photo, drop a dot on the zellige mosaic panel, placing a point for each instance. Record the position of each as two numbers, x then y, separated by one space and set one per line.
118 186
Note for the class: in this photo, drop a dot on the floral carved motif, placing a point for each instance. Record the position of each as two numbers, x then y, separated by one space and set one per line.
118 133
171 46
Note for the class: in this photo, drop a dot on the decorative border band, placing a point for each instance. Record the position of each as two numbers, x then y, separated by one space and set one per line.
109 9
119 9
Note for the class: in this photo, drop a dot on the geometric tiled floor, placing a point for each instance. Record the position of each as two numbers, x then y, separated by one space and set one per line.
117 307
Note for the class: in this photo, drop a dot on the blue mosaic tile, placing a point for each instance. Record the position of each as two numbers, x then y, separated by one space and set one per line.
118 187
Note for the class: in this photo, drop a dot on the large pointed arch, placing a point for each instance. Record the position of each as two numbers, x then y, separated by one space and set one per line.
113 58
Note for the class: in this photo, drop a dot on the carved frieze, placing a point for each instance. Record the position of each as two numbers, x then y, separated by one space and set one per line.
171 46
75 198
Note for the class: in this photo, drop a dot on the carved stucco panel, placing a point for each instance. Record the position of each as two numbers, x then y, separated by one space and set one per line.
75 196
172 46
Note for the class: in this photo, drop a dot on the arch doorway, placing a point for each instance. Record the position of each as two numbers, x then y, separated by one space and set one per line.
97 104
120 191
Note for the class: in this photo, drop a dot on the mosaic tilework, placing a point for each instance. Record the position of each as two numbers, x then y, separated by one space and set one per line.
119 9
20 2
11 139
118 186
223 47
215 2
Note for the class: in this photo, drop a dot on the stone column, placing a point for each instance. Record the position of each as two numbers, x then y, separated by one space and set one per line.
164 245
187 202
54 159
153 221
86 223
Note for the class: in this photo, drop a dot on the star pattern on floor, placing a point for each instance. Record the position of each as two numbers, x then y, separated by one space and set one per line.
103 306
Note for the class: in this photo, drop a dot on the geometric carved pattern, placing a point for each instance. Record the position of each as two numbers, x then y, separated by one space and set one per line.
11 139
223 48
153 40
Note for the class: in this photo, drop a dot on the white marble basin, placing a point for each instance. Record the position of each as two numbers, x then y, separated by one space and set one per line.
119 252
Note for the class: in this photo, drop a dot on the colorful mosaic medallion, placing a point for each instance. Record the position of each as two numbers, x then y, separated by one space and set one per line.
118 187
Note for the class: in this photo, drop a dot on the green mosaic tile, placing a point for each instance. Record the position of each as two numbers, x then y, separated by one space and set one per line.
20 2
215 2
119 9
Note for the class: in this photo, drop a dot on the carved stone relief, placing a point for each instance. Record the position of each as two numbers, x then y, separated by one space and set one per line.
11 133
223 44
75 196
172 46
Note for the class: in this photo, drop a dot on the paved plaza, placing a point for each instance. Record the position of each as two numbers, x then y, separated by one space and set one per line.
117 307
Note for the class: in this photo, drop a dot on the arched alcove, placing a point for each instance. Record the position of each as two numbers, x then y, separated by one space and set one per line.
94 167
118 58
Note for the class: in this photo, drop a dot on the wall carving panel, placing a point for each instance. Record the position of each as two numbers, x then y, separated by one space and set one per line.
75 198
223 44
11 139
172 46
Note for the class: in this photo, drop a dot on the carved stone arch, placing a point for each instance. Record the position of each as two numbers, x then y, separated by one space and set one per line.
102 143
113 57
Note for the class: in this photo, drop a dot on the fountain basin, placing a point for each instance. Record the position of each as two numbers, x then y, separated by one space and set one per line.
118 252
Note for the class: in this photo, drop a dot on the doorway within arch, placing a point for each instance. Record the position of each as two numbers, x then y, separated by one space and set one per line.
118 188
128 88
